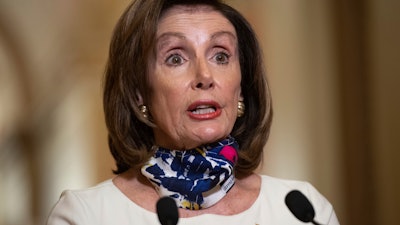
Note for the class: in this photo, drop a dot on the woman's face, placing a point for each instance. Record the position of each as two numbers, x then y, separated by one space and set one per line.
194 78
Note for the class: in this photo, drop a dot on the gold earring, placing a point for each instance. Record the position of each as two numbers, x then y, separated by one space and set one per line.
240 109
144 111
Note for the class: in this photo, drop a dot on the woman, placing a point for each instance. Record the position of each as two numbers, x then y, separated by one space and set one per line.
188 112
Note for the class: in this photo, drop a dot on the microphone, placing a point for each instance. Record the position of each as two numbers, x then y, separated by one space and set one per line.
301 208
167 211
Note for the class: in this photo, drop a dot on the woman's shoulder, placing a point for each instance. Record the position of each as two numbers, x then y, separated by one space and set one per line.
275 183
74 204
274 190
278 187
98 192
92 205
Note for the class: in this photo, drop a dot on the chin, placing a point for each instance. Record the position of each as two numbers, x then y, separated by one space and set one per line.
211 137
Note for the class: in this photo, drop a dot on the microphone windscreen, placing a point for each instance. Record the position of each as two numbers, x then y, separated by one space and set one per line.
299 205
167 211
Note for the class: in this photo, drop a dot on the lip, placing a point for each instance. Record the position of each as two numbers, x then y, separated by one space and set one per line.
205 115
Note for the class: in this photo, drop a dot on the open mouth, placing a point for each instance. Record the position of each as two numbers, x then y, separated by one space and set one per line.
203 109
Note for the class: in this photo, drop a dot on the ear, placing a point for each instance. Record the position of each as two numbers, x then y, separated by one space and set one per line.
139 98
241 96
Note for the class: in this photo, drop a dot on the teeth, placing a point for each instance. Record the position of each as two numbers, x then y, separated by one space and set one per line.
203 109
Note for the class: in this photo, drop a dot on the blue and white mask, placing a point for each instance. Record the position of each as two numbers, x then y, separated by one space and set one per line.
196 178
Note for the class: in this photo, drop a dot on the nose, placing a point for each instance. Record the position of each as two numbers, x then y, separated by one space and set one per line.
204 78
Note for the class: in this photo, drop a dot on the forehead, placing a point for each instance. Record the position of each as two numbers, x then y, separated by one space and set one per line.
189 16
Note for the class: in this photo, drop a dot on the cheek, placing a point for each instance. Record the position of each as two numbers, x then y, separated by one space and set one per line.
165 98
235 79
233 95
165 82
235 87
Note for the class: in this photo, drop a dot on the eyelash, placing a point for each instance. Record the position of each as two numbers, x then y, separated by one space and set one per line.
181 59
225 55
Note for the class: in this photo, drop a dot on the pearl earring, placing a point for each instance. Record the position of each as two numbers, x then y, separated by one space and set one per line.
240 109
144 110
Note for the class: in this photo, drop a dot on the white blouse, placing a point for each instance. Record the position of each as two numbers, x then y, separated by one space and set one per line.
106 204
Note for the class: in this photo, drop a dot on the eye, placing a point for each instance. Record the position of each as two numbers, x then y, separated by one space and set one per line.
221 58
174 60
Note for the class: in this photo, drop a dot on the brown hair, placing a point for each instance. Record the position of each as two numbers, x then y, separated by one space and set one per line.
130 136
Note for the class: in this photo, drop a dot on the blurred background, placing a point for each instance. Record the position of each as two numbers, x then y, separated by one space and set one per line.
334 70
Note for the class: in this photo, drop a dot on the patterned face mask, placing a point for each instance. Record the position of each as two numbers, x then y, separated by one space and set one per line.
196 178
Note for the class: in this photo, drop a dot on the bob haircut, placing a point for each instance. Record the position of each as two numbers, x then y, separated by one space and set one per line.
130 135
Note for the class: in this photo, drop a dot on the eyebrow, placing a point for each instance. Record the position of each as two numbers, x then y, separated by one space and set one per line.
163 38
222 33
182 36
171 34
